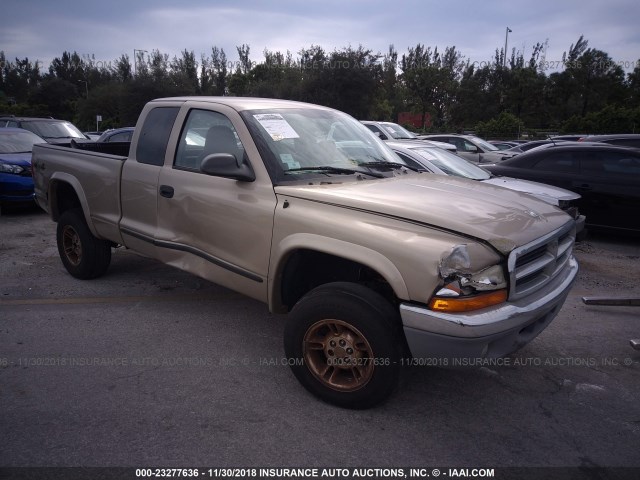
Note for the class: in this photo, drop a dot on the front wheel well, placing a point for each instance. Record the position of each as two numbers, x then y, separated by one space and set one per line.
308 269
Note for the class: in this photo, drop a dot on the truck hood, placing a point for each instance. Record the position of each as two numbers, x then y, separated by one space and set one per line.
548 193
504 218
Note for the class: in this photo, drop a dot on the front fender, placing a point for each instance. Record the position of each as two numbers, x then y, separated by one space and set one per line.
339 248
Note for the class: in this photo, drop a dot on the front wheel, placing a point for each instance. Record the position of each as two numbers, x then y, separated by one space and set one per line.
83 255
343 345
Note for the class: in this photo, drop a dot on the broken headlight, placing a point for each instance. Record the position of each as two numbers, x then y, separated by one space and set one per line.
465 290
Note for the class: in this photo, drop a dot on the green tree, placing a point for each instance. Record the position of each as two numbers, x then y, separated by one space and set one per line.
19 79
430 80
504 126
633 83
239 81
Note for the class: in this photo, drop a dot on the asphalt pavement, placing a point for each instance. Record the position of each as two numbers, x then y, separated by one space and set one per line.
150 366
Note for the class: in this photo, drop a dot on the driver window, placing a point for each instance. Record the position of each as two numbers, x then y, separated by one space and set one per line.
206 133
470 147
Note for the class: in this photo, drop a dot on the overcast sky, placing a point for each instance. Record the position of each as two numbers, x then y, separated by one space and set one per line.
43 29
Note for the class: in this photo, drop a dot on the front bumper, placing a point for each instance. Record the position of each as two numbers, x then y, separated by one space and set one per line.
488 333
16 188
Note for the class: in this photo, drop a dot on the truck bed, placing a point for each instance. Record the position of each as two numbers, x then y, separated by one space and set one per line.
94 174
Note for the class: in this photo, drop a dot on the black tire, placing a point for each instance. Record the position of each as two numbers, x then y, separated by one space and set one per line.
83 255
343 343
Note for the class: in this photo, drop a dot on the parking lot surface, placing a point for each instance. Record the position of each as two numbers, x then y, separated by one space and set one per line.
150 366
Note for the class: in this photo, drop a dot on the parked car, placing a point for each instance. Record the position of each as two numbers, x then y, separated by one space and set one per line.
626 140
503 144
16 182
607 177
570 138
50 129
117 135
389 131
301 207
435 160
93 135
473 148
525 147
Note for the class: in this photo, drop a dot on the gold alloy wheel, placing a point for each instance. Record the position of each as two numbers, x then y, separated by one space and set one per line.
338 355
71 245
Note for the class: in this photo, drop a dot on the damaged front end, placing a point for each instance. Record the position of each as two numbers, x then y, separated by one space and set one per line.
488 305
465 288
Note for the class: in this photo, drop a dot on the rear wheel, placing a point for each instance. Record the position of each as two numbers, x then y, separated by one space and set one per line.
343 344
83 255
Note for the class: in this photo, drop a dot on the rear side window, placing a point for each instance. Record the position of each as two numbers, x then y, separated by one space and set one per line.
612 164
154 136
558 162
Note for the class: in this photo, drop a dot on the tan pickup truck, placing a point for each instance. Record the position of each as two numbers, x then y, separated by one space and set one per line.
303 208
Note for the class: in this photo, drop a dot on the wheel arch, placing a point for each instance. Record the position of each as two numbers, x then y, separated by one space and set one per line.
66 193
306 261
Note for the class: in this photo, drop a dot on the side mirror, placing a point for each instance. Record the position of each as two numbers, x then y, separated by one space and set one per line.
472 149
226 165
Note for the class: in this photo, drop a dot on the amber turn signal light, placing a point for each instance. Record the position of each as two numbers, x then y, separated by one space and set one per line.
467 304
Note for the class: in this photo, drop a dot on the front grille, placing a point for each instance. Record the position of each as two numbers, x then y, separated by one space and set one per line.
573 212
535 264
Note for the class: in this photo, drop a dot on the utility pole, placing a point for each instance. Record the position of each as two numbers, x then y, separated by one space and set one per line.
86 86
506 37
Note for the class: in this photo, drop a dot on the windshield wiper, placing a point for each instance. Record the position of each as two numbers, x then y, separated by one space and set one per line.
393 165
330 169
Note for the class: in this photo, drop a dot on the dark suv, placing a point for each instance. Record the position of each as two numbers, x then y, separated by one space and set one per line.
50 129
623 139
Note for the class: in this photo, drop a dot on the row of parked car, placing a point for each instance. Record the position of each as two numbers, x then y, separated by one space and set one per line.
596 176
17 137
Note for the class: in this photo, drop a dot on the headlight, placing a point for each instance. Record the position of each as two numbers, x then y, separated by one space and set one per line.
465 290
8 168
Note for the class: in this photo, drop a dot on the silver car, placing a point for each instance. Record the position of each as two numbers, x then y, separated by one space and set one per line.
392 132
473 148
441 162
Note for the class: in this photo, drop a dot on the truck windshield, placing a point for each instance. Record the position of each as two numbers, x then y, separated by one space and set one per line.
299 142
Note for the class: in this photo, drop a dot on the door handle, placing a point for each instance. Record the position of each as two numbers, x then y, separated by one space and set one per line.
166 191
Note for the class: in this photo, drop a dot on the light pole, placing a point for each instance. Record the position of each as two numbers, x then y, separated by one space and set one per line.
86 86
506 37
135 58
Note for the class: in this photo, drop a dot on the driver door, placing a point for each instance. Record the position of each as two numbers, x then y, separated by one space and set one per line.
217 228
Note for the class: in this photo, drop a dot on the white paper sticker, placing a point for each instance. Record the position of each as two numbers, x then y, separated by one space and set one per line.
276 126
288 160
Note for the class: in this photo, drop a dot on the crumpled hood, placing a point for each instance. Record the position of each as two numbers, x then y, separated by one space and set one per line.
505 218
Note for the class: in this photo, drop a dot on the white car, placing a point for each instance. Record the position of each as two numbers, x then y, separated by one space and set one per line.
442 162
392 132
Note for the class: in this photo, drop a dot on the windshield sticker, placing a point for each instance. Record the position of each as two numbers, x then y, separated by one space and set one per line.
288 160
276 126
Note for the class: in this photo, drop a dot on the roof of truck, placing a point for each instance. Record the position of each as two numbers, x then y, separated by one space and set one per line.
244 103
